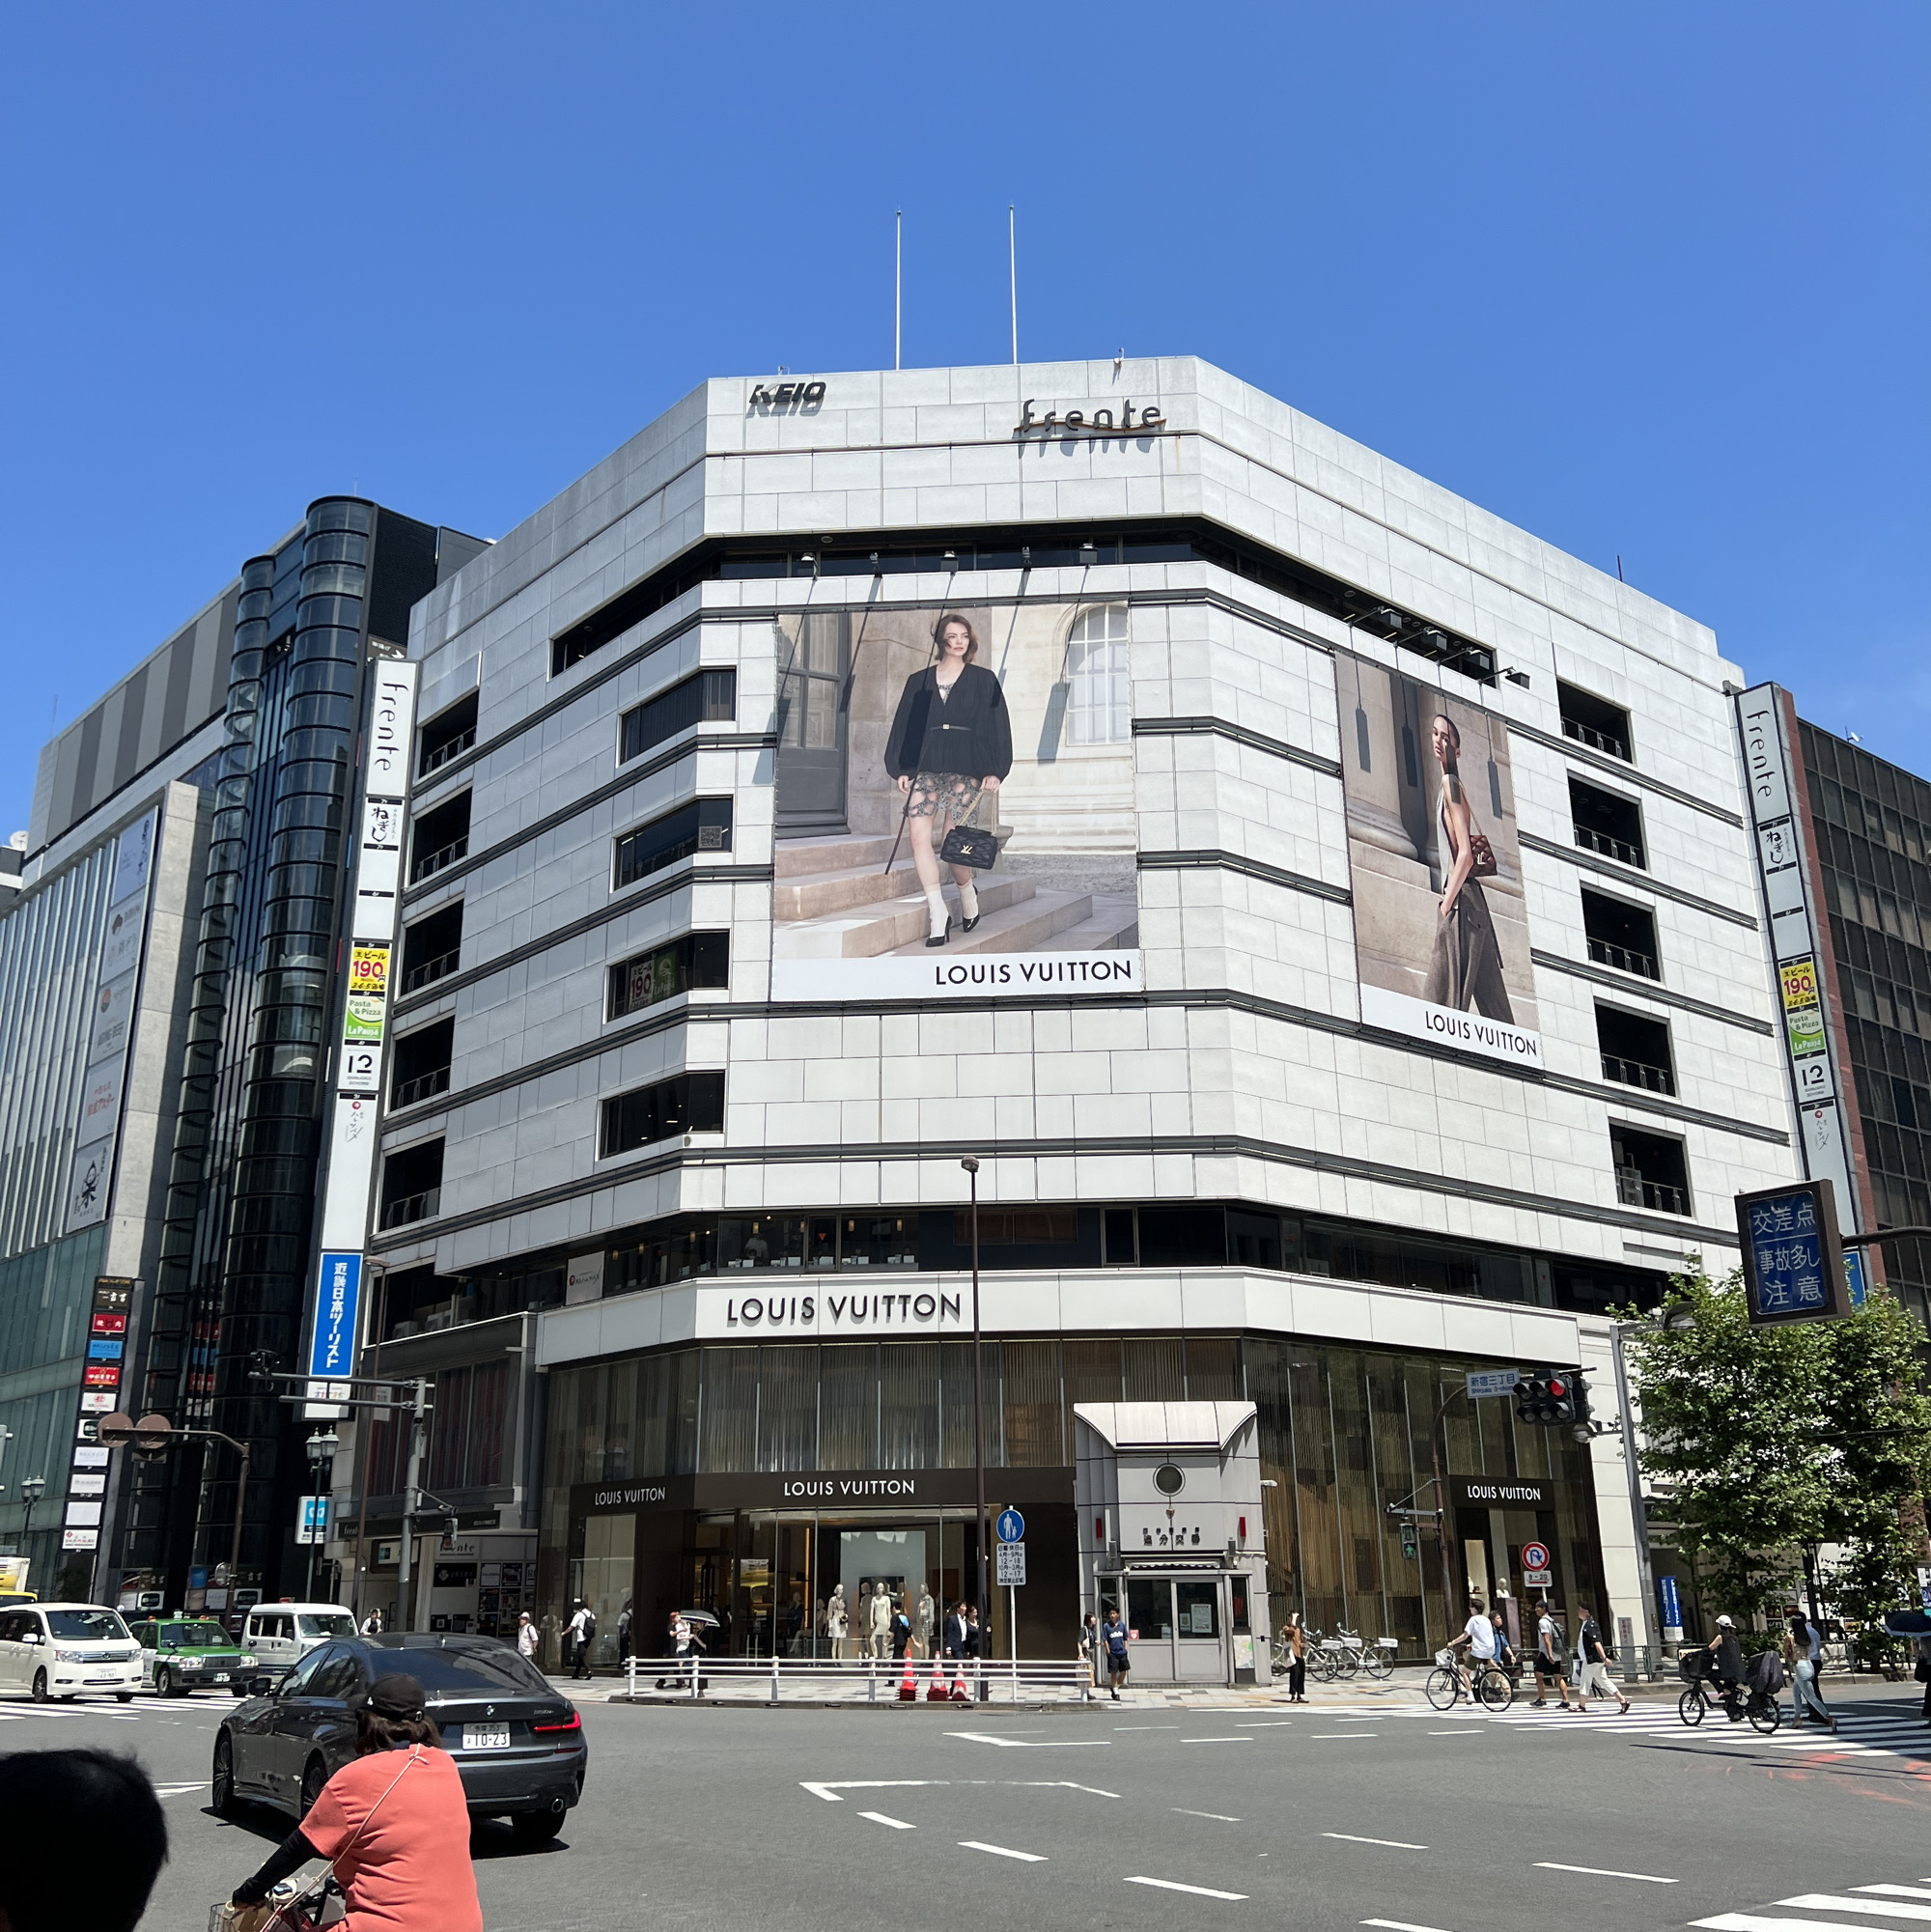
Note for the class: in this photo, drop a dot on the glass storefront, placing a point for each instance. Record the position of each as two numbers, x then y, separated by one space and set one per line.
1343 1437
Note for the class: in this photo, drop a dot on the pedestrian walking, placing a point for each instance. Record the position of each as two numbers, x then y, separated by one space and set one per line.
582 1634
1297 1659
1595 1656
1802 1654
526 1637
955 1640
1089 1647
1549 1660
624 1635
372 1624
1118 1664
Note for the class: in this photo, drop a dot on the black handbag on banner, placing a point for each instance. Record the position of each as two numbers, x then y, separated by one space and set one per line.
965 844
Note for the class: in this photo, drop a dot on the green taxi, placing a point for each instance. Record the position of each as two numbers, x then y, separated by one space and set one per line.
180 1654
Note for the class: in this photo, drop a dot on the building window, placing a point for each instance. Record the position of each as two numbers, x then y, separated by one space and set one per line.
440 838
696 959
689 1103
1593 721
433 947
1099 705
1650 1170
422 1063
702 825
1635 1049
446 735
1015 1228
708 698
412 1183
1607 824
1620 935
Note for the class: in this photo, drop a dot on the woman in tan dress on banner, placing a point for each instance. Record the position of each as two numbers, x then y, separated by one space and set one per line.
1465 968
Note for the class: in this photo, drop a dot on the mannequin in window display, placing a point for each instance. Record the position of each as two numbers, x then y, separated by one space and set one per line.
923 1619
879 1620
837 1622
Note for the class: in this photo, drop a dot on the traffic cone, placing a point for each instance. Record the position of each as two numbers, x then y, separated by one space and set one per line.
960 1694
909 1689
938 1694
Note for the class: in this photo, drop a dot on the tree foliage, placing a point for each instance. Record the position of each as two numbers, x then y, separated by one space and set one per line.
1764 1441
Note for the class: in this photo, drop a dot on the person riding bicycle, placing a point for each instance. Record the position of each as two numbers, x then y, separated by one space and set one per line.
1479 1635
1726 1659
392 1823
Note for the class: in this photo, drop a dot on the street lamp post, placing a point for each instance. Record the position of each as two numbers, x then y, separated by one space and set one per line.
31 1492
322 1449
971 1167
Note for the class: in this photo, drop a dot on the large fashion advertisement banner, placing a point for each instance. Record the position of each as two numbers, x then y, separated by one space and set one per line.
954 803
1441 929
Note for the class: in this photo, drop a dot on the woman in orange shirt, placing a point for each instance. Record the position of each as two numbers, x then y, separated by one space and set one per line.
392 1823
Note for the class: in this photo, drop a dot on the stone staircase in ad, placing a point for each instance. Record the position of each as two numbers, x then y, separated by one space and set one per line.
832 898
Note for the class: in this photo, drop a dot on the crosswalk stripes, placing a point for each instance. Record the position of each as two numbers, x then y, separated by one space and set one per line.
1889 1729
1864 1908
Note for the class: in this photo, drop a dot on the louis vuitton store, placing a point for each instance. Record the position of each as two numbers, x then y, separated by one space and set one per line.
777 1485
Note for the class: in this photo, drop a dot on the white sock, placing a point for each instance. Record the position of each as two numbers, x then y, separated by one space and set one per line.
934 900
968 901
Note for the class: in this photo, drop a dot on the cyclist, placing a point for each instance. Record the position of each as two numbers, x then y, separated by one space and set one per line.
392 1823
1479 1635
1726 1664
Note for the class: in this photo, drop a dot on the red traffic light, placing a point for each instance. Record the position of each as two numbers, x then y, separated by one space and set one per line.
1557 1387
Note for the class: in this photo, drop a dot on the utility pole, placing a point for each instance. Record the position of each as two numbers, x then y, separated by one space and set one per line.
411 1488
984 1535
1442 1516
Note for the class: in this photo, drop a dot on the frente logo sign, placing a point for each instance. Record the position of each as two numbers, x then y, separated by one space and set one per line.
1093 423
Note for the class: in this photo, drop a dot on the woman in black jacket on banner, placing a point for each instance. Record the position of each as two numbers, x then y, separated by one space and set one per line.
951 741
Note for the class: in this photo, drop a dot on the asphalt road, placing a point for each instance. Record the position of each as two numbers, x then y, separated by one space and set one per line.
1128 1816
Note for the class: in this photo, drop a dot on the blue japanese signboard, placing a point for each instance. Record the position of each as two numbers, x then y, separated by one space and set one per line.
1671 1606
1793 1264
338 1297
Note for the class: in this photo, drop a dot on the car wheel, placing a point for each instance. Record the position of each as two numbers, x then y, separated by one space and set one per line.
536 1828
40 1690
313 1779
224 1776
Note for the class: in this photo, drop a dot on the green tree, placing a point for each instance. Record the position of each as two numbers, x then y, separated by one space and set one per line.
1764 1441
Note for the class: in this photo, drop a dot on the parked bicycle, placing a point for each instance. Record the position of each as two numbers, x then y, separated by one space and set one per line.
1488 1685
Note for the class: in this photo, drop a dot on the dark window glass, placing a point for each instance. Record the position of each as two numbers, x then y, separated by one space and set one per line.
696 959
1607 824
1008 1227
704 826
464 1674
412 1183
1620 935
1183 1237
1635 1049
1254 1241
689 1103
711 697
1593 721
440 838
446 735
1650 1170
433 947
1122 1248
422 1063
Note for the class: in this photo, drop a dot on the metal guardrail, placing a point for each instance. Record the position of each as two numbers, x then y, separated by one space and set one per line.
859 1680
1625 959
1591 840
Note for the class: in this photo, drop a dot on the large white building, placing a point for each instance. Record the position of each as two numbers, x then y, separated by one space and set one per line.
676 1077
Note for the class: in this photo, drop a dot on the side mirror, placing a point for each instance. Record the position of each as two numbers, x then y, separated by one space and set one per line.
32 1637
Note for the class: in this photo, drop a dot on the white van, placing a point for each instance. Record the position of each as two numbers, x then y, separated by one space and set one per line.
61 1650
279 1636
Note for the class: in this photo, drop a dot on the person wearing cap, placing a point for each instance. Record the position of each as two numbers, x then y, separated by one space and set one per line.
392 1823
1726 1657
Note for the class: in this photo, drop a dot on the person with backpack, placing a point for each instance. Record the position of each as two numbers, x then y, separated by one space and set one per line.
1594 1654
1549 1661
583 1633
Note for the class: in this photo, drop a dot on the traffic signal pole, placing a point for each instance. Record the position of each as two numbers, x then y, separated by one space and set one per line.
1435 1450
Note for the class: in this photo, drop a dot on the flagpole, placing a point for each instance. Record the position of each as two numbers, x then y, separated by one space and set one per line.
1013 276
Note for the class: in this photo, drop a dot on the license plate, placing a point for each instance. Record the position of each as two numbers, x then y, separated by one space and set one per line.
486 1737
221 1676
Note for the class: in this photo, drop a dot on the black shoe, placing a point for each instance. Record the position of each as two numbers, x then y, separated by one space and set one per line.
944 935
965 925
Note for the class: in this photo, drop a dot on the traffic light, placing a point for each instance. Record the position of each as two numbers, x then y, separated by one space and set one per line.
1551 1397
1410 1547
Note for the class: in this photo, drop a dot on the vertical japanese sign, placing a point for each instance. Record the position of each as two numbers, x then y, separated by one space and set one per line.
111 1025
1793 1263
387 748
1796 942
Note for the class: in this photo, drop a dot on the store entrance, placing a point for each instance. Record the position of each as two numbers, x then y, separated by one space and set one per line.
1491 1543
1180 1625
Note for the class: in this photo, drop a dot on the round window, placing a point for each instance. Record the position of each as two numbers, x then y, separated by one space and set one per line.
1169 1479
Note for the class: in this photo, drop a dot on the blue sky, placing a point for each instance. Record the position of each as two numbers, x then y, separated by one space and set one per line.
1644 279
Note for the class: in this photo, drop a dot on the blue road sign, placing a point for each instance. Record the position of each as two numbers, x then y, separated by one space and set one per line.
1671 1603
1790 1251
1011 1526
1854 1275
